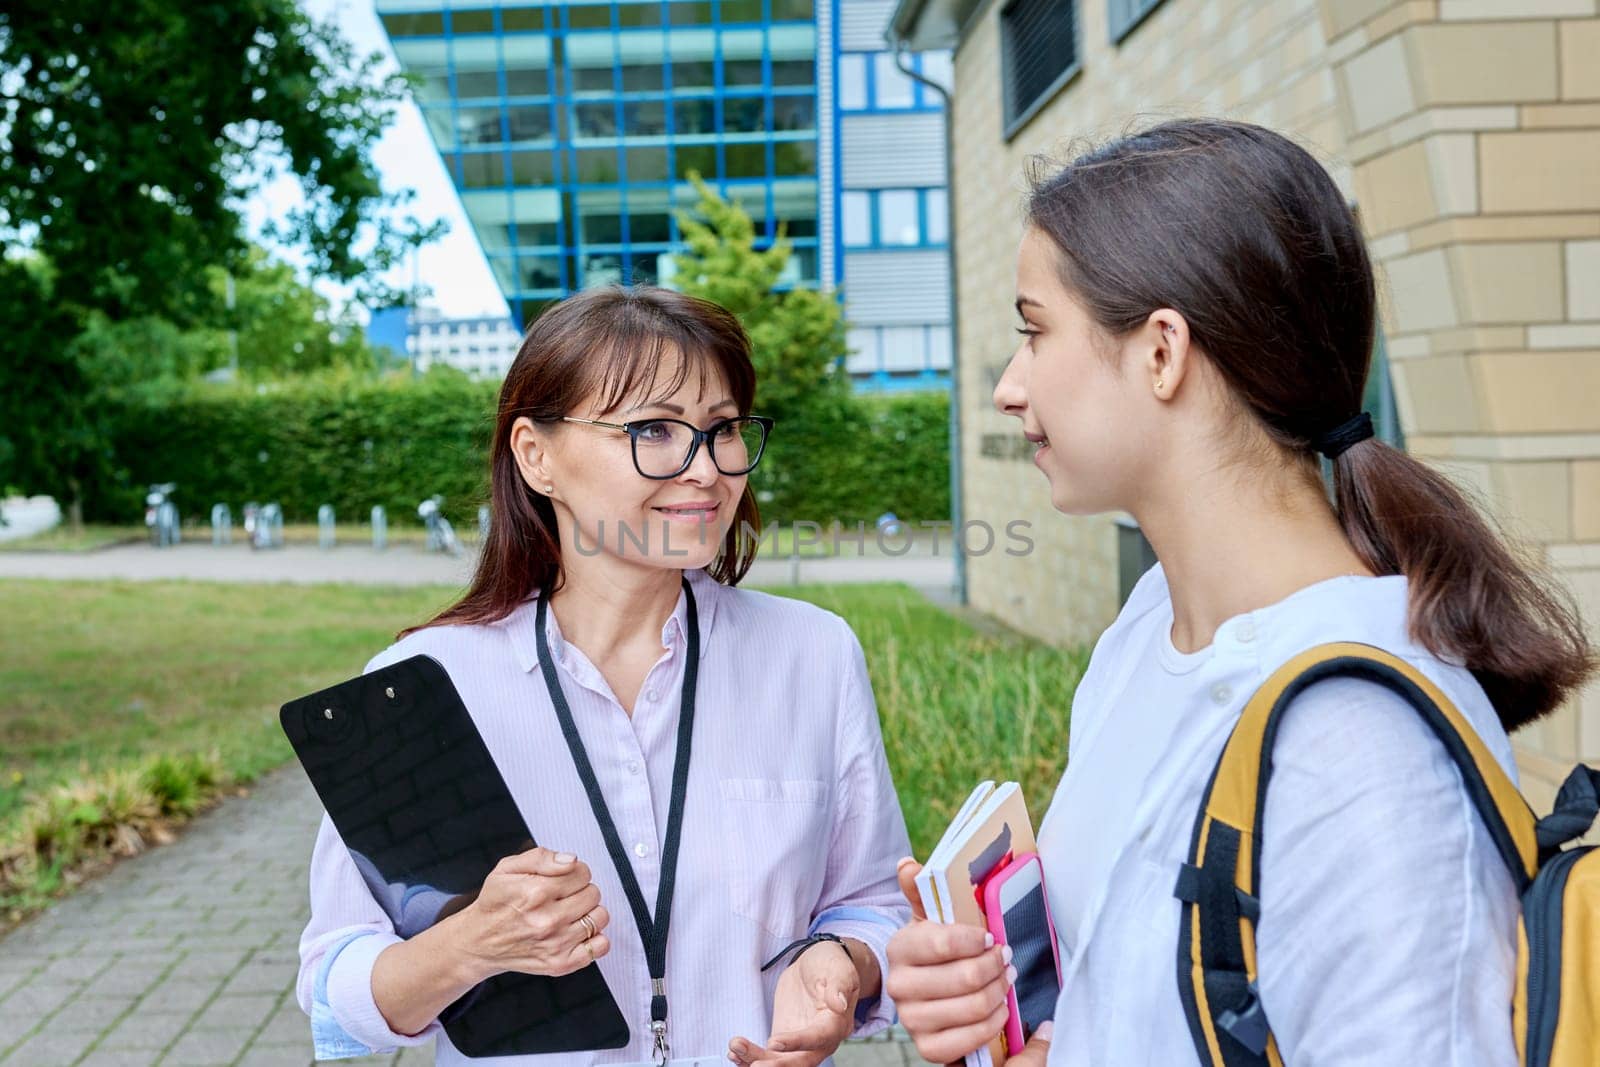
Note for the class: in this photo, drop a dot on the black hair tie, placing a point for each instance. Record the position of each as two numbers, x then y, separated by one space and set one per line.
804 943
1337 441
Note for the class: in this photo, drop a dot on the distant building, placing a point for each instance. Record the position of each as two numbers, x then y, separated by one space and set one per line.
482 347
570 131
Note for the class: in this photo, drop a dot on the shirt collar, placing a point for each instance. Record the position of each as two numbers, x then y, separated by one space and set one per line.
519 625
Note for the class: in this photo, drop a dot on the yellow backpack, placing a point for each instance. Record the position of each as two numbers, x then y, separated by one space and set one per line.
1555 1012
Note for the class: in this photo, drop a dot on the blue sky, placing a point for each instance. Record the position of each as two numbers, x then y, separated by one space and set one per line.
453 266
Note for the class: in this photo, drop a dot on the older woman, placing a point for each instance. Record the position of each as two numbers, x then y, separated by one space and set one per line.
622 523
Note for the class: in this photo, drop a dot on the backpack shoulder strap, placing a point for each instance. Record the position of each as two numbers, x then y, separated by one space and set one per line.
1218 886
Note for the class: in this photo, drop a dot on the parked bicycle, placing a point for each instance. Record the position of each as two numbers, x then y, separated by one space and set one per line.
441 535
161 515
263 525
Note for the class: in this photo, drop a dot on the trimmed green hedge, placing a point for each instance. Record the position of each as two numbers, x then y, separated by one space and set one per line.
357 443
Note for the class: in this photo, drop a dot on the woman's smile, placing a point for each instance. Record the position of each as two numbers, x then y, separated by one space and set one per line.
691 512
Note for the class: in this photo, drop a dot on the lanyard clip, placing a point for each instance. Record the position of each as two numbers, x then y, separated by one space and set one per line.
658 1019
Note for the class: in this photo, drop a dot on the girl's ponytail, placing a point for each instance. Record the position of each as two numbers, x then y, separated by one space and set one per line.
1471 599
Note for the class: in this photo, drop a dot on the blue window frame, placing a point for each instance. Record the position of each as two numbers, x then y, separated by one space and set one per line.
873 81
894 218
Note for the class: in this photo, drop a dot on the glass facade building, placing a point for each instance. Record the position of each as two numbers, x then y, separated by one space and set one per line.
571 129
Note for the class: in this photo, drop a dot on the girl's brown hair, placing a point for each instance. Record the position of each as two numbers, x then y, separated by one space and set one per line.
607 344
1243 233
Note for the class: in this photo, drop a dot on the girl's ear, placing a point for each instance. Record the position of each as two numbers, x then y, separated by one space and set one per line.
1167 363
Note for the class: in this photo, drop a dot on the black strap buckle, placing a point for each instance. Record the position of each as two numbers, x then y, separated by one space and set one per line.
1248 1025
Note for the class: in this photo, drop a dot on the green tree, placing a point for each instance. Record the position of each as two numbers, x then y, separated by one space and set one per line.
129 135
797 337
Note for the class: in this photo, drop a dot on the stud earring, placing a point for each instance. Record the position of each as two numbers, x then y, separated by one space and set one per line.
1160 382
549 489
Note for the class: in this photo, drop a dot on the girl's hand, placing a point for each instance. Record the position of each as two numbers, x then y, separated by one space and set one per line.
529 917
812 1012
949 981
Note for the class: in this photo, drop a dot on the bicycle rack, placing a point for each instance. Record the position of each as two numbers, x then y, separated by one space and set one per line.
221 525
325 530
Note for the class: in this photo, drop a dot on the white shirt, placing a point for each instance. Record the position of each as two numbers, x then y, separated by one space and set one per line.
790 823
1388 926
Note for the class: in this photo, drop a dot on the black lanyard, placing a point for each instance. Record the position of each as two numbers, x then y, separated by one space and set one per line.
653 932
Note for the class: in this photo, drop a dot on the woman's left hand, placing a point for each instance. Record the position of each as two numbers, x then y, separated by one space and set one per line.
813 1011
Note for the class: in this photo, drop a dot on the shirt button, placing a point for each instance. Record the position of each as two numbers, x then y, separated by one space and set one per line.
641 850
651 695
633 766
1247 631
1221 693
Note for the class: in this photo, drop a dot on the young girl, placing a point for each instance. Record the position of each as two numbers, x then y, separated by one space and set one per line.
1197 315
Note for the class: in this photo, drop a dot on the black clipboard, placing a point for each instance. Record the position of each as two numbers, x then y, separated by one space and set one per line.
412 790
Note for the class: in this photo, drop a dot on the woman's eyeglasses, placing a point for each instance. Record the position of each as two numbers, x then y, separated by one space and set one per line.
664 448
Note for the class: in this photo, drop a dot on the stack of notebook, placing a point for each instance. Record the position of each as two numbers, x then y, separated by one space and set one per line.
991 828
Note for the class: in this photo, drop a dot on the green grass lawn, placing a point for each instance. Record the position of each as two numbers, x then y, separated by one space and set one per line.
98 677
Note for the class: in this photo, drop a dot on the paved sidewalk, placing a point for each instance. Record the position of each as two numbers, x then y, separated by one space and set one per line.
186 956
408 565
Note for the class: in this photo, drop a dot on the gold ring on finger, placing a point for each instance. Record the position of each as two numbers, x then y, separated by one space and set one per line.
590 946
588 924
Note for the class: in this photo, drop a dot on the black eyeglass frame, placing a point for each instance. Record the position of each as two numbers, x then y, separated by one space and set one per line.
632 429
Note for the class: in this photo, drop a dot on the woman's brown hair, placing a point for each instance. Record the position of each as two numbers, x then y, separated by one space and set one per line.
1243 233
608 344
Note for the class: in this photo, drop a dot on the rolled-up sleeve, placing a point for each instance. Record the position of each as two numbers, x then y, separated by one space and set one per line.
860 896
347 932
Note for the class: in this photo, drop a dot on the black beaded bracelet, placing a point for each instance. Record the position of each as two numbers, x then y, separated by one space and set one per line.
797 947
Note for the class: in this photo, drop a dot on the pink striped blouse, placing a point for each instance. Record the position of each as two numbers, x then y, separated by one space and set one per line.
791 823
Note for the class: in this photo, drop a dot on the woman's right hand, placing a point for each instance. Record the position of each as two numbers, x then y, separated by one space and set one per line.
948 981
528 917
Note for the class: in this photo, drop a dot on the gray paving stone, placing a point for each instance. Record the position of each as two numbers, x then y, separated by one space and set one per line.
143 1030
13 1028
178 998
277 1056
91 1013
205 1048
212 963
415 1056
134 978
78 968
869 1054
36 999
243 1014
121 1057
285 1029
49 1047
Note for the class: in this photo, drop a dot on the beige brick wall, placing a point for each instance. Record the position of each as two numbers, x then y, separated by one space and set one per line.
1482 200
1261 60
1469 133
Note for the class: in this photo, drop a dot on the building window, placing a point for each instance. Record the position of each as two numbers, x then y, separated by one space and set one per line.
894 218
898 223
1123 15
852 82
937 220
857 210
891 87
873 81
1039 54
